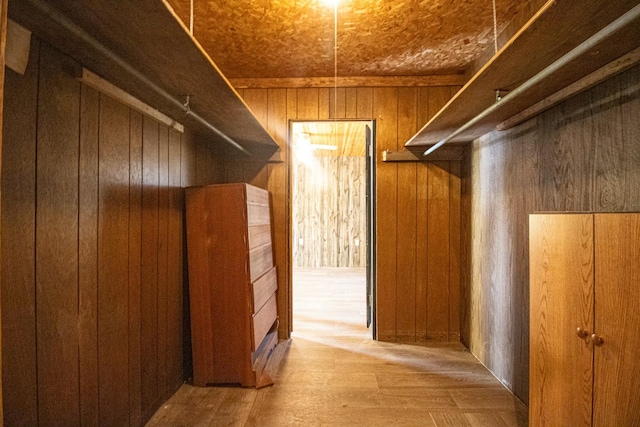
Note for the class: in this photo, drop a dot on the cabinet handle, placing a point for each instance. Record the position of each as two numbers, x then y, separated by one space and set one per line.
597 340
581 333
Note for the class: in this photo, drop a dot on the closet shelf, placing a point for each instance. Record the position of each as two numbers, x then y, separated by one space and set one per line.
556 29
148 36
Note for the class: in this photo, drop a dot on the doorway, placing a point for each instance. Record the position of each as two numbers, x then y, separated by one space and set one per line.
332 223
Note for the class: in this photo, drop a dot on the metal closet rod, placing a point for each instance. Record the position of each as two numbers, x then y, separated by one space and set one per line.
579 50
74 29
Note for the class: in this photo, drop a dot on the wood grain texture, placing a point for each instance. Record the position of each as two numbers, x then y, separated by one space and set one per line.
505 70
135 266
57 223
578 156
562 289
135 32
149 268
86 152
175 262
163 235
332 373
113 261
19 366
414 107
88 190
406 254
225 331
617 270
438 292
329 213
4 7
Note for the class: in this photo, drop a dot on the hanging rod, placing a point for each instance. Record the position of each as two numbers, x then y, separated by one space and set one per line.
579 50
74 29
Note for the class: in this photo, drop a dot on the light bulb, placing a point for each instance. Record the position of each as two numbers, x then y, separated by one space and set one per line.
331 3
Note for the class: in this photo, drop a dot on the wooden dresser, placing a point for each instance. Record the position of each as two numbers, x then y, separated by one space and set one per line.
232 284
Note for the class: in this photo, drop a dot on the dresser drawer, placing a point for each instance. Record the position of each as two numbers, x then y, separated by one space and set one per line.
260 260
257 195
263 288
262 321
259 235
258 214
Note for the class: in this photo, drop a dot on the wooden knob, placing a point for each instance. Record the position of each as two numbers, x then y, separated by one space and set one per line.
582 334
597 340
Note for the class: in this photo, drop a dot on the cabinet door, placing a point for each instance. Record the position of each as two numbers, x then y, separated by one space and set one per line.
616 362
561 289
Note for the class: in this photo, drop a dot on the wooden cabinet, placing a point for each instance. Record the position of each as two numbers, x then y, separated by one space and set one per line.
232 284
585 273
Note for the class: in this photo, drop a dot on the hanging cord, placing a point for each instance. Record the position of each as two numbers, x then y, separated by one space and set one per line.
191 18
335 61
495 27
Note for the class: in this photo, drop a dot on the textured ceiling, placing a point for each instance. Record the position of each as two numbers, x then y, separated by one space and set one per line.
295 38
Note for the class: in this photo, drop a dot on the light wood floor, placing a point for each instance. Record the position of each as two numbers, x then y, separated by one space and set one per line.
332 374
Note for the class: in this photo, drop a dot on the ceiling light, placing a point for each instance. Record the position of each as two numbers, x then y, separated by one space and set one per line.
331 3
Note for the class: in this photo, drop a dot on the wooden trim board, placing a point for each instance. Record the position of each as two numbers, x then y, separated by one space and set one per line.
358 81
101 85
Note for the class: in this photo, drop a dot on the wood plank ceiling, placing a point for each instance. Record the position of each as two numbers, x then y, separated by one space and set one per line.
295 38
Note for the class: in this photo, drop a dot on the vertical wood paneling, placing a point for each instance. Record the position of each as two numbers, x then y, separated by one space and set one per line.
323 103
579 156
406 221
18 244
135 266
174 266
57 242
81 266
163 222
438 252
113 262
385 106
351 103
454 250
88 254
149 269
422 243
308 104
402 188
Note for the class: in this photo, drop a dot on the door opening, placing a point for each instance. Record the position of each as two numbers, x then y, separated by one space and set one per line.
332 228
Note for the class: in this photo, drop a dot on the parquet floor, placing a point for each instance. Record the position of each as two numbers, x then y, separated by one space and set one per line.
332 374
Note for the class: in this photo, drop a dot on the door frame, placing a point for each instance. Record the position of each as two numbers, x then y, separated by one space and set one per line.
370 158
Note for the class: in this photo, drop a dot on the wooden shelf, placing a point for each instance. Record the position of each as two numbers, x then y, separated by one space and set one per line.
556 29
149 37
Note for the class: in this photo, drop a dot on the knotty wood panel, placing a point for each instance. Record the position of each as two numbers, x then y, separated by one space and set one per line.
91 280
581 155
329 214
409 109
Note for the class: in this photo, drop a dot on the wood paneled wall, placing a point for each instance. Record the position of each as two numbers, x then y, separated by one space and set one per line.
582 155
329 212
418 204
92 251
